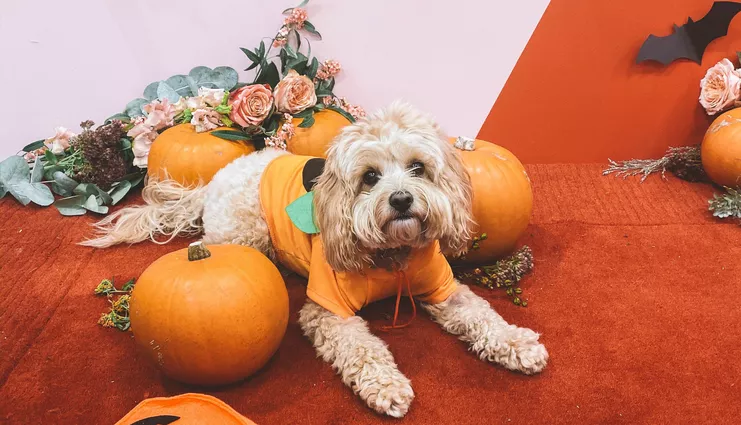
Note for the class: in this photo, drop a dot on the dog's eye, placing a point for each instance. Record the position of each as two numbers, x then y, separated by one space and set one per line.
417 168
371 177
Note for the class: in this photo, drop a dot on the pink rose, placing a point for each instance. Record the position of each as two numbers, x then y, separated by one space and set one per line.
60 141
251 104
294 93
205 120
144 134
720 88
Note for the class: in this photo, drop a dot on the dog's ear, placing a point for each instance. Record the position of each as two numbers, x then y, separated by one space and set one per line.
332 202
456 184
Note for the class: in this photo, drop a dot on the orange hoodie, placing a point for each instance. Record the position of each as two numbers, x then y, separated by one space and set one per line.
343 293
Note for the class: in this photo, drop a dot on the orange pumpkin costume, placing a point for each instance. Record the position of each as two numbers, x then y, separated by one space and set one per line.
428 274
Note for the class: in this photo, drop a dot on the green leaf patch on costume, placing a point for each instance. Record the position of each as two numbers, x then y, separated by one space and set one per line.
301 213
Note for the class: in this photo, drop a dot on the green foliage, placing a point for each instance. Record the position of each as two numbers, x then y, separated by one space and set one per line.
726 205
504 274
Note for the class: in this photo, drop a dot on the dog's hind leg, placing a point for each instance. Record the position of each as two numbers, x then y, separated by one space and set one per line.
362 360
471 318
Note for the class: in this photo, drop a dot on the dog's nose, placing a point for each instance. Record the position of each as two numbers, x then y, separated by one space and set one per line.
401 200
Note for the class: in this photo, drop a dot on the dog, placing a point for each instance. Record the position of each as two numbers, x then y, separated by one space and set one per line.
391 199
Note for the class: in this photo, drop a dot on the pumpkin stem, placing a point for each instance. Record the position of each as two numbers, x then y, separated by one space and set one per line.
464 143
198 251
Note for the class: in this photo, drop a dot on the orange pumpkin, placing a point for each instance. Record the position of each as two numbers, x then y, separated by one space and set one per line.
314 140
186 155
502 199
721 149
190 409
210 316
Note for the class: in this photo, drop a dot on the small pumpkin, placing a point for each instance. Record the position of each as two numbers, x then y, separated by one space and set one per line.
502 199
187 156
314 140
210 316
721 149
184 409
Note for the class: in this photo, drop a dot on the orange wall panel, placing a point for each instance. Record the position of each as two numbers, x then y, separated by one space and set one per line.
576 94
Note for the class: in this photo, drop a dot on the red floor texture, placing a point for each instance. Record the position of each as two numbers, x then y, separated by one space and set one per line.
636 291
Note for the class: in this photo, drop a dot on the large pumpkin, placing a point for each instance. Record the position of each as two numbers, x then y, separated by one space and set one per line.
186 155
210 316
721 149
502 198
314 140
185 409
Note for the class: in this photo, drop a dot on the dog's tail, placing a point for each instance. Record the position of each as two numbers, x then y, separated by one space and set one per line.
170 209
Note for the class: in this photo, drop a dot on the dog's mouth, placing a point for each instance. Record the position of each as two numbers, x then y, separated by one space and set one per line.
404 217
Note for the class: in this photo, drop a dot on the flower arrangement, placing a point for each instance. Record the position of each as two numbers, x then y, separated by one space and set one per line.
720 92
96 168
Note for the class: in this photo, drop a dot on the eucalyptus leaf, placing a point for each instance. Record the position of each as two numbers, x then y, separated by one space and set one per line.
134 108
13 168
71 206
37 172
232 135
49 171
91 204
33 146
2 191
165 91
26 192
134 178
193 84
197 72
63 185
118 192
179 83
150 93
90 189
229 76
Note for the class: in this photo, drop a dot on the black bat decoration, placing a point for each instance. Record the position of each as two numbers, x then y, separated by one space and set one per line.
157 420
691 39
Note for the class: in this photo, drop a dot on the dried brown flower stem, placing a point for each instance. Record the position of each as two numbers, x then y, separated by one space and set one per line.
683 161
504 274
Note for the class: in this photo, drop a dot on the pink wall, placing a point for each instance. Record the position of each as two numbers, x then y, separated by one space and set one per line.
67 61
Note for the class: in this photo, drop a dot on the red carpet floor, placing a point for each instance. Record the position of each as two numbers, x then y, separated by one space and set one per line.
636 291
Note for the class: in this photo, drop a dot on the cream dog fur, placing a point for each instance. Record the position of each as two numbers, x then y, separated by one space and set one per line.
397 150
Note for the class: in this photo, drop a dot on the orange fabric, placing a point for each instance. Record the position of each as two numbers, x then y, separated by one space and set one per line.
430 276
576 94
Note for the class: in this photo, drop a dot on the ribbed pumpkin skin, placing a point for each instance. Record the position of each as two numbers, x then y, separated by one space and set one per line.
314 140
502 200
191 408
187 155
212 321
721 149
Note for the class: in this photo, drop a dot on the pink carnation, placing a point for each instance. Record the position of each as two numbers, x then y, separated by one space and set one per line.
160 114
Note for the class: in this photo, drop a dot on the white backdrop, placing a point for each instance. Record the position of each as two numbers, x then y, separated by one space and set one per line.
62 62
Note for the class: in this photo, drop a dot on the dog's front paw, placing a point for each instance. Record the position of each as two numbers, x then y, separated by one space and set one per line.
522 351
385 389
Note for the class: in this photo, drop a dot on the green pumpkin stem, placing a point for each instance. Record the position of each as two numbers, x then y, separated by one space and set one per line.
198 251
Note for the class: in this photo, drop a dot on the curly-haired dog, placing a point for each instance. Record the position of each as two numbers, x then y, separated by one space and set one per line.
393 196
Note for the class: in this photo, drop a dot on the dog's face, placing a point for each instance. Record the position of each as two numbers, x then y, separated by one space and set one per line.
391 181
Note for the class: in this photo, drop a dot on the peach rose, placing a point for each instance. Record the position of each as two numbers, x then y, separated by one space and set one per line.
294 93
251 104
720 88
